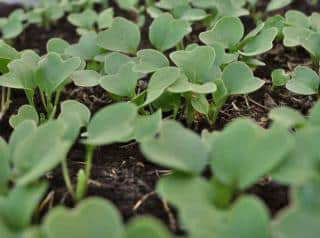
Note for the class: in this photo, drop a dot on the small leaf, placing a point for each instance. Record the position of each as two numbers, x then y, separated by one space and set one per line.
86 48
304 81
86 78
77 222
105 18
159 82
112 124
123 83
228 31
57 45
143 226
239 79
123 36
115 61
176 147
279 77
47 77
164 37
277 4
150 60
196 73
146 127
85 19
25 112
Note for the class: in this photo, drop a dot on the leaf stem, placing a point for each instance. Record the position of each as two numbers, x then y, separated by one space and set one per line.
67 179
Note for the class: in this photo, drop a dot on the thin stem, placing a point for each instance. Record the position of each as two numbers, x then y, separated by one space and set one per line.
7 103
43 100
180 46
3 96
55 104
89 157
67 179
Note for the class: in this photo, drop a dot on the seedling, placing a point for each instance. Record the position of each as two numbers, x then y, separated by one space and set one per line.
303 31
14 25
30 73
89 20
303 81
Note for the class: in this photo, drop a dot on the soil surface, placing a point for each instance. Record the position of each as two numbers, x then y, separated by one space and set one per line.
120 173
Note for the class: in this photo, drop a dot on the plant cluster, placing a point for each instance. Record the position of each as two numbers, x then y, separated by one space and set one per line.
182 81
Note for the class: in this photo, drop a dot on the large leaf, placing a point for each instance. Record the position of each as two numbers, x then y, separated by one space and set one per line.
164 37
239 79
65 223
176 147
123 35
241 154
112 124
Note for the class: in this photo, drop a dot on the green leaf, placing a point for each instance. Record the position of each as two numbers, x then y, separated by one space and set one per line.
196 73
304 81
200 104
25 112
105 18
146 226
228 31
279 77
115 61
248 218
57 45
160 81
85 19
295 36
277 4
123 83
314 114
12 29
86 48
260 43
239 79
123 36
44 148
287 117
86 78
112 124
4 166
77 222
47 77
297 18
176 147
164 37
150 60
18 207
76 110
146 127
241 153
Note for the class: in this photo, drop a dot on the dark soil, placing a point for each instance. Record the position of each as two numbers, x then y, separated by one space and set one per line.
120 173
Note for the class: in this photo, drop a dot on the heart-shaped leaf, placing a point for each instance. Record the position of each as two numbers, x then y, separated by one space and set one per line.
248 150
160 81
65 223
123 35
228 31
196 73
143 226
150 60
86 48
115 61
57 45
25 112
287 117
86 78
44 148
304 81
105 18
279 77
47 78
260 43
164 37
123 83
112 124
176 147
85 19
20 217
239 79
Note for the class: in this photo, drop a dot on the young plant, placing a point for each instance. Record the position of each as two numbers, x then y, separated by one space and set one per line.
89 20
303 31
302 81
228 33
14 25
7 54
30 72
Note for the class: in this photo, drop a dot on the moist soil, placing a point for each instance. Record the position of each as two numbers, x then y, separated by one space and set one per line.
120 173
